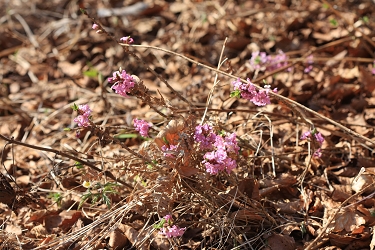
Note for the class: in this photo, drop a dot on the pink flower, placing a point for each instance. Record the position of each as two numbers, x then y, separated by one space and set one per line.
319 138
258 59
204 136
306 135
122 83
249 92
173 231
318 153
127 40
95 26
84 110
141 126
168 218
167 148
278 61
82 121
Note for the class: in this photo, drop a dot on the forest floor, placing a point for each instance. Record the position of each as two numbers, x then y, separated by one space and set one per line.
103 186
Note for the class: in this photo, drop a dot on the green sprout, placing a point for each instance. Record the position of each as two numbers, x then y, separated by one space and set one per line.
99 193
56 197
333 22
78 165
365 19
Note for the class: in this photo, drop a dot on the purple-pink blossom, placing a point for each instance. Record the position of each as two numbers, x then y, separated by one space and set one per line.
318 137
258 59
84 113
82 121
219 149
168 218
169 229
249 91
168 150
122 82
262 61
95 26
172 231
127 40
205 136
141 126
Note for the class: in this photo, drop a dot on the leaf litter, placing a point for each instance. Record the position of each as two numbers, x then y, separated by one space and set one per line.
278 197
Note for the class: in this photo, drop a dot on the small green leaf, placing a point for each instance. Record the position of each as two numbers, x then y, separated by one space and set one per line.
93 73
67 129
366 19
333 22
83 199
125 136
74 107
107 201
236 93
325 6
78 165
160 224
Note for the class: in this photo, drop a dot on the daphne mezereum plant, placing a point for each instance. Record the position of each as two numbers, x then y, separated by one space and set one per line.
218 150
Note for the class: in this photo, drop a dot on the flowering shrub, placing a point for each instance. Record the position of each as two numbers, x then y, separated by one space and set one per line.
122 82
248 91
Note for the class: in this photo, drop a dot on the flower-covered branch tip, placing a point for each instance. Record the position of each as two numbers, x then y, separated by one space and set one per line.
122 82
318 137
249 91
141 126
168 229
222 149
84 113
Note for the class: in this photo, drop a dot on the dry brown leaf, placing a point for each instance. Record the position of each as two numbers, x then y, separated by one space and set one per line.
117 239
280 242
13 229
348 220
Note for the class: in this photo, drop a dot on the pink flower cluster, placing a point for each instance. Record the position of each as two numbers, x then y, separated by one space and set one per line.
122 82
170 230
310 61
141 126
249 92
221 150
318 137
262 61
167 150
82 119
127 40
